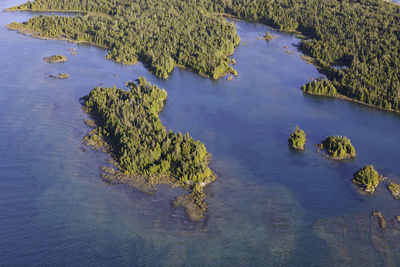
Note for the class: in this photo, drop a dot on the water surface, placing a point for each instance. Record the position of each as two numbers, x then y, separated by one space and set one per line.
55 210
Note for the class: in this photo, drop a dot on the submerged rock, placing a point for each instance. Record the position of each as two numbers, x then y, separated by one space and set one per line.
359 240
128 127
55 59
90 123
193 203
382 222
394 189
60 76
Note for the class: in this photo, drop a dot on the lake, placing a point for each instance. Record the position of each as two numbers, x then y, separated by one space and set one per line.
269 206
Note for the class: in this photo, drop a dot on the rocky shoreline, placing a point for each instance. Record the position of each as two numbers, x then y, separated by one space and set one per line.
20 29
394 189
193 202
102 138
59 76
55 59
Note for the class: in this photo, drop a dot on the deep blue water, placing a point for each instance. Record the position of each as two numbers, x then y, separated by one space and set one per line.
55 210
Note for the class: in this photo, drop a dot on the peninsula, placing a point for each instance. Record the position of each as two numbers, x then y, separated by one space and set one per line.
160 34
354 43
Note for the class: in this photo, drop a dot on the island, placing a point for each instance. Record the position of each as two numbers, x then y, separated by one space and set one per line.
394 189
268 37
338 147
353 43
297 139
160 34
55 59
367 178
60 76
145 153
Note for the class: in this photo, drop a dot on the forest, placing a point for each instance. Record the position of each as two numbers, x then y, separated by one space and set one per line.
367 178
128 122
297 139
355 43
319 87
160 34
338 147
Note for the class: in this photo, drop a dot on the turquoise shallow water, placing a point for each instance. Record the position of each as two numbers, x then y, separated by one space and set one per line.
55 210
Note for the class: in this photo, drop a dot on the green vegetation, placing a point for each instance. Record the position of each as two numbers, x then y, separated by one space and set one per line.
161 34
268 36
320 87
355 43
128 121
367 178
394 189
55 59
338 147
297 139
60 76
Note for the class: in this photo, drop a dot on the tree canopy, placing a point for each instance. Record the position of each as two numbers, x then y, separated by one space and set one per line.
128 122
355 43
338 147
297 139
161 34
367 178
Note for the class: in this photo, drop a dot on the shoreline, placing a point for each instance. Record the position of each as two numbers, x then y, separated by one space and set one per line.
35 34
147 185
190 201
346 98
322 152
31 33
38 35
310 59
10 9
193 201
